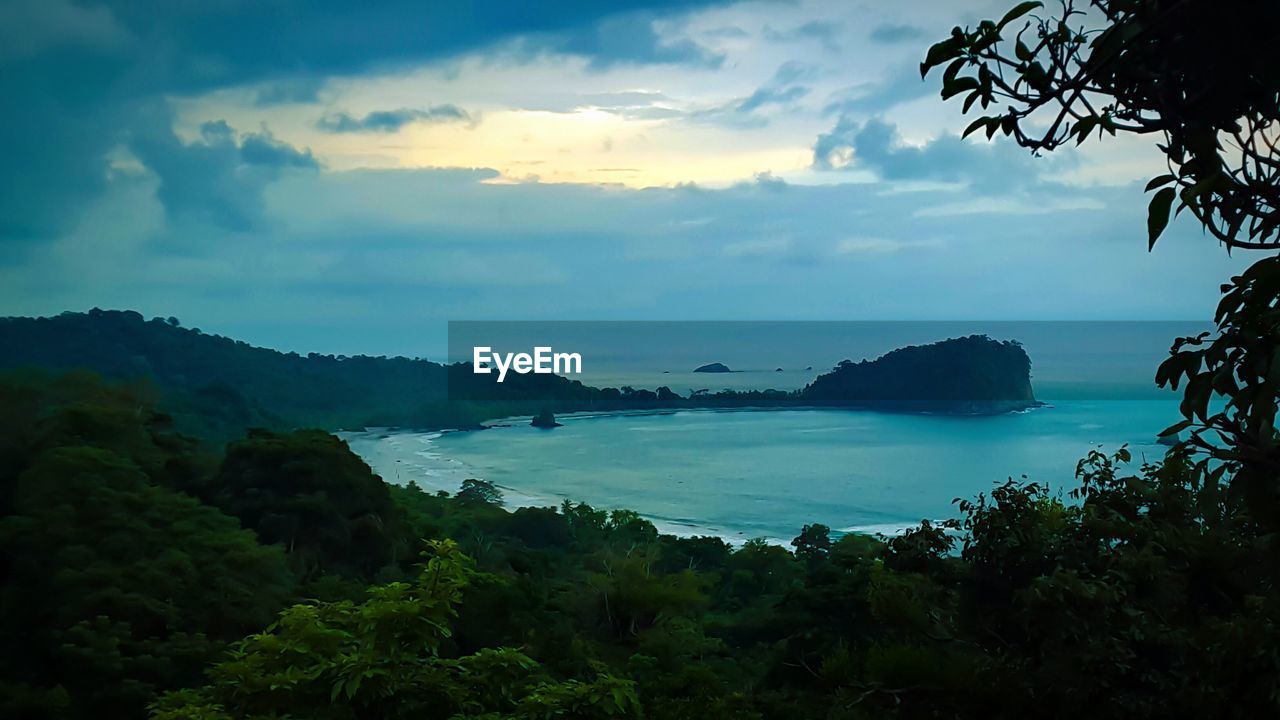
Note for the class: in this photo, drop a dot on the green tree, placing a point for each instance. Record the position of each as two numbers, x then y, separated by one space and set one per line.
307 492
383 658
479 492
115 587
813 543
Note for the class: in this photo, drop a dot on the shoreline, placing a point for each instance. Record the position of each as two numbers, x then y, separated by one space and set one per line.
382 456
401 455
510 420
1007 407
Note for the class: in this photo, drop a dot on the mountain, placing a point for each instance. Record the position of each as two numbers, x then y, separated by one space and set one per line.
969 374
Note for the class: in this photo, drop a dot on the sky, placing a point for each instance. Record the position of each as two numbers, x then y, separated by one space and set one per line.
347 177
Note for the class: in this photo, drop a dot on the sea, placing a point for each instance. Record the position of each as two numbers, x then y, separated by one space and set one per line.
743 474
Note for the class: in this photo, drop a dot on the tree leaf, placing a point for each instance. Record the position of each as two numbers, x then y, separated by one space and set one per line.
1018 11
975 126
959 85
940 53
1158 215
952 70
1083 128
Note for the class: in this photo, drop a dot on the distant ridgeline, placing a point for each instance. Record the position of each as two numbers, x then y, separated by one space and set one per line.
216 387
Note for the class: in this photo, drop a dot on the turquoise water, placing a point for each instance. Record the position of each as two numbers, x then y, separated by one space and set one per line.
767 473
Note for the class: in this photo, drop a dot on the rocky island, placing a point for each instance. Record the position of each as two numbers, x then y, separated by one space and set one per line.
545 419
969 375
713 368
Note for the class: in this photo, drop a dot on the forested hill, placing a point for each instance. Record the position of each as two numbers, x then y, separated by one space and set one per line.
974 372
230 380
216 387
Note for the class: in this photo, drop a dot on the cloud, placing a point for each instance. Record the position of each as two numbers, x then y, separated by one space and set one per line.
630 104
55 162
218 179
286 91
727 32
372 260
83 73
772 96
880 245
902 85
264 150
780 92
995 167
627 39
389 121
822 31
891 34
203 46
782 89
29 27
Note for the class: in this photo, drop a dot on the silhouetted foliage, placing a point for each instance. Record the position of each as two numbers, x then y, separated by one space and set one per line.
1201 74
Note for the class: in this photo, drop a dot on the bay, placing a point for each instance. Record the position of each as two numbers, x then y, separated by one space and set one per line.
746 474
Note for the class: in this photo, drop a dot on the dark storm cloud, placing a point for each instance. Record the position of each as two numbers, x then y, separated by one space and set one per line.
219 178
624 39
387 121
216 44
80 72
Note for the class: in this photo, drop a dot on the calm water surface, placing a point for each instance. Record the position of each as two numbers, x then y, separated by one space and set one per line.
765 474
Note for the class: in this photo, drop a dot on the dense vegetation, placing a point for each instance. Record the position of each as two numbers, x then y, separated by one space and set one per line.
114 584
126 585
133 556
